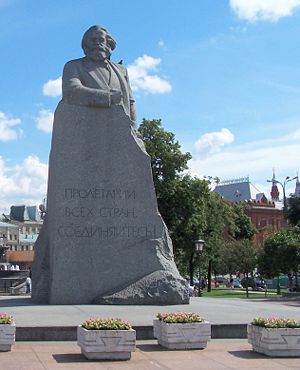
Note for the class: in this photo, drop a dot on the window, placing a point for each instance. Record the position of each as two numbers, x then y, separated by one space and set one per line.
263 223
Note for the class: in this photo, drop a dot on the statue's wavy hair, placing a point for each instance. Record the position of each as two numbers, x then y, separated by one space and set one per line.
110 40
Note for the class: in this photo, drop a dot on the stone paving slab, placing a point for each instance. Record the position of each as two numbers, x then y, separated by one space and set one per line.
228 317
220 354
217 311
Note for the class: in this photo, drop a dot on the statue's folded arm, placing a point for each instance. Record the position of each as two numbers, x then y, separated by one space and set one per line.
74 92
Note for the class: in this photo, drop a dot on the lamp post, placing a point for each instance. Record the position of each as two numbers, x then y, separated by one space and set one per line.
199 244
283 185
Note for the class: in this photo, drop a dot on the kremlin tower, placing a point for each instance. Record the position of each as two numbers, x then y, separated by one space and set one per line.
274 190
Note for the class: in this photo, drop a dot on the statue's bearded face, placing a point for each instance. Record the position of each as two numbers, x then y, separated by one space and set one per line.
97 47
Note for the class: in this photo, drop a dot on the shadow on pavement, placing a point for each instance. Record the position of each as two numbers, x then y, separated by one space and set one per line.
246 354
151 347
69 357
10 302
157 348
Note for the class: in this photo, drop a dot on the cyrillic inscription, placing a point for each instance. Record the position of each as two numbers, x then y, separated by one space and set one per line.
105 212
127 231
97 193
77 210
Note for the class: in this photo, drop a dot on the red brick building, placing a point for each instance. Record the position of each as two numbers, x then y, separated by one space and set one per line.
266 216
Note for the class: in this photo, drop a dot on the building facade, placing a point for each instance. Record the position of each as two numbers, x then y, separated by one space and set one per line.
266 216
19 231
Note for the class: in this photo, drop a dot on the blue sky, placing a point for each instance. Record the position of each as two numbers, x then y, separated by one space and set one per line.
223 75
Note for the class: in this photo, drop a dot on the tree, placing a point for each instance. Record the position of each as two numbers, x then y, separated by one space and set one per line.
3 250
167 162
188 206
293 210
244 228
269 262
281 253
2 253
189 221
226 222
218 215
197 213
239 255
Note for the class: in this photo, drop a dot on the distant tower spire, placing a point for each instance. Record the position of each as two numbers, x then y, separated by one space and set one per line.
274 191
297 188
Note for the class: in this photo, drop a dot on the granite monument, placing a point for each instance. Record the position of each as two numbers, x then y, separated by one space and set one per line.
103 240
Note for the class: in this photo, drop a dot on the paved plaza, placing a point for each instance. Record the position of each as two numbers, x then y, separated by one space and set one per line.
220 354
218 311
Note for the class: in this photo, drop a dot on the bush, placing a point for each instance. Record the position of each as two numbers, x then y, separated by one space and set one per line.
5 319
179 317
275 322
106 324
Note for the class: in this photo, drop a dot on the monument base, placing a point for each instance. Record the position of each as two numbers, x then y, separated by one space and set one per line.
154 289
103 240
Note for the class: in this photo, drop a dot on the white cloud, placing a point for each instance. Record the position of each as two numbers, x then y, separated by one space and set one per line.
255 159
294 135
6 131
24 183
212 142
45 120
53 88
265 10
161 43
140 75
142 80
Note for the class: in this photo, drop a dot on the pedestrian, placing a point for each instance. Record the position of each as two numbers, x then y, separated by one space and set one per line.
28 285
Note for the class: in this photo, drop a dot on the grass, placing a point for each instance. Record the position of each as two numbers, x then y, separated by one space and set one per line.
223 293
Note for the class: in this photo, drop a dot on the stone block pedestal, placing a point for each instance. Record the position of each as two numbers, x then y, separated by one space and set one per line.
182 336
274 342
106 344
7 336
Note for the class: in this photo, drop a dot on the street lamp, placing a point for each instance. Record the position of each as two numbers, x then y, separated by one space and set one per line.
199 244
283 185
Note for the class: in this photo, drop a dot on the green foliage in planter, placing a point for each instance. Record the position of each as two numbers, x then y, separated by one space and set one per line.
106 324
5 319
275 322
179 317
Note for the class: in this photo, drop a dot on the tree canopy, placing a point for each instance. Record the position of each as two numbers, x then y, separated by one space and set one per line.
239 255
292 212
244 228
168 164
187 204
281 253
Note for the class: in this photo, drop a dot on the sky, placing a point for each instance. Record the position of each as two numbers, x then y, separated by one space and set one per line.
222 75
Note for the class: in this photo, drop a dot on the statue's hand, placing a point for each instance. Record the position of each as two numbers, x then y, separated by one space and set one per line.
115 96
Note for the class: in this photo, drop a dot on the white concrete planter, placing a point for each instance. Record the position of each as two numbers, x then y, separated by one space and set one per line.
182 336
275 342
106 344
7 336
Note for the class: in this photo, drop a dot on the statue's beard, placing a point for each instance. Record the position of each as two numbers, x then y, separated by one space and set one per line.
98 54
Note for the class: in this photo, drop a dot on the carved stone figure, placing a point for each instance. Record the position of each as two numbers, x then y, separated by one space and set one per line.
103 240
95 81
